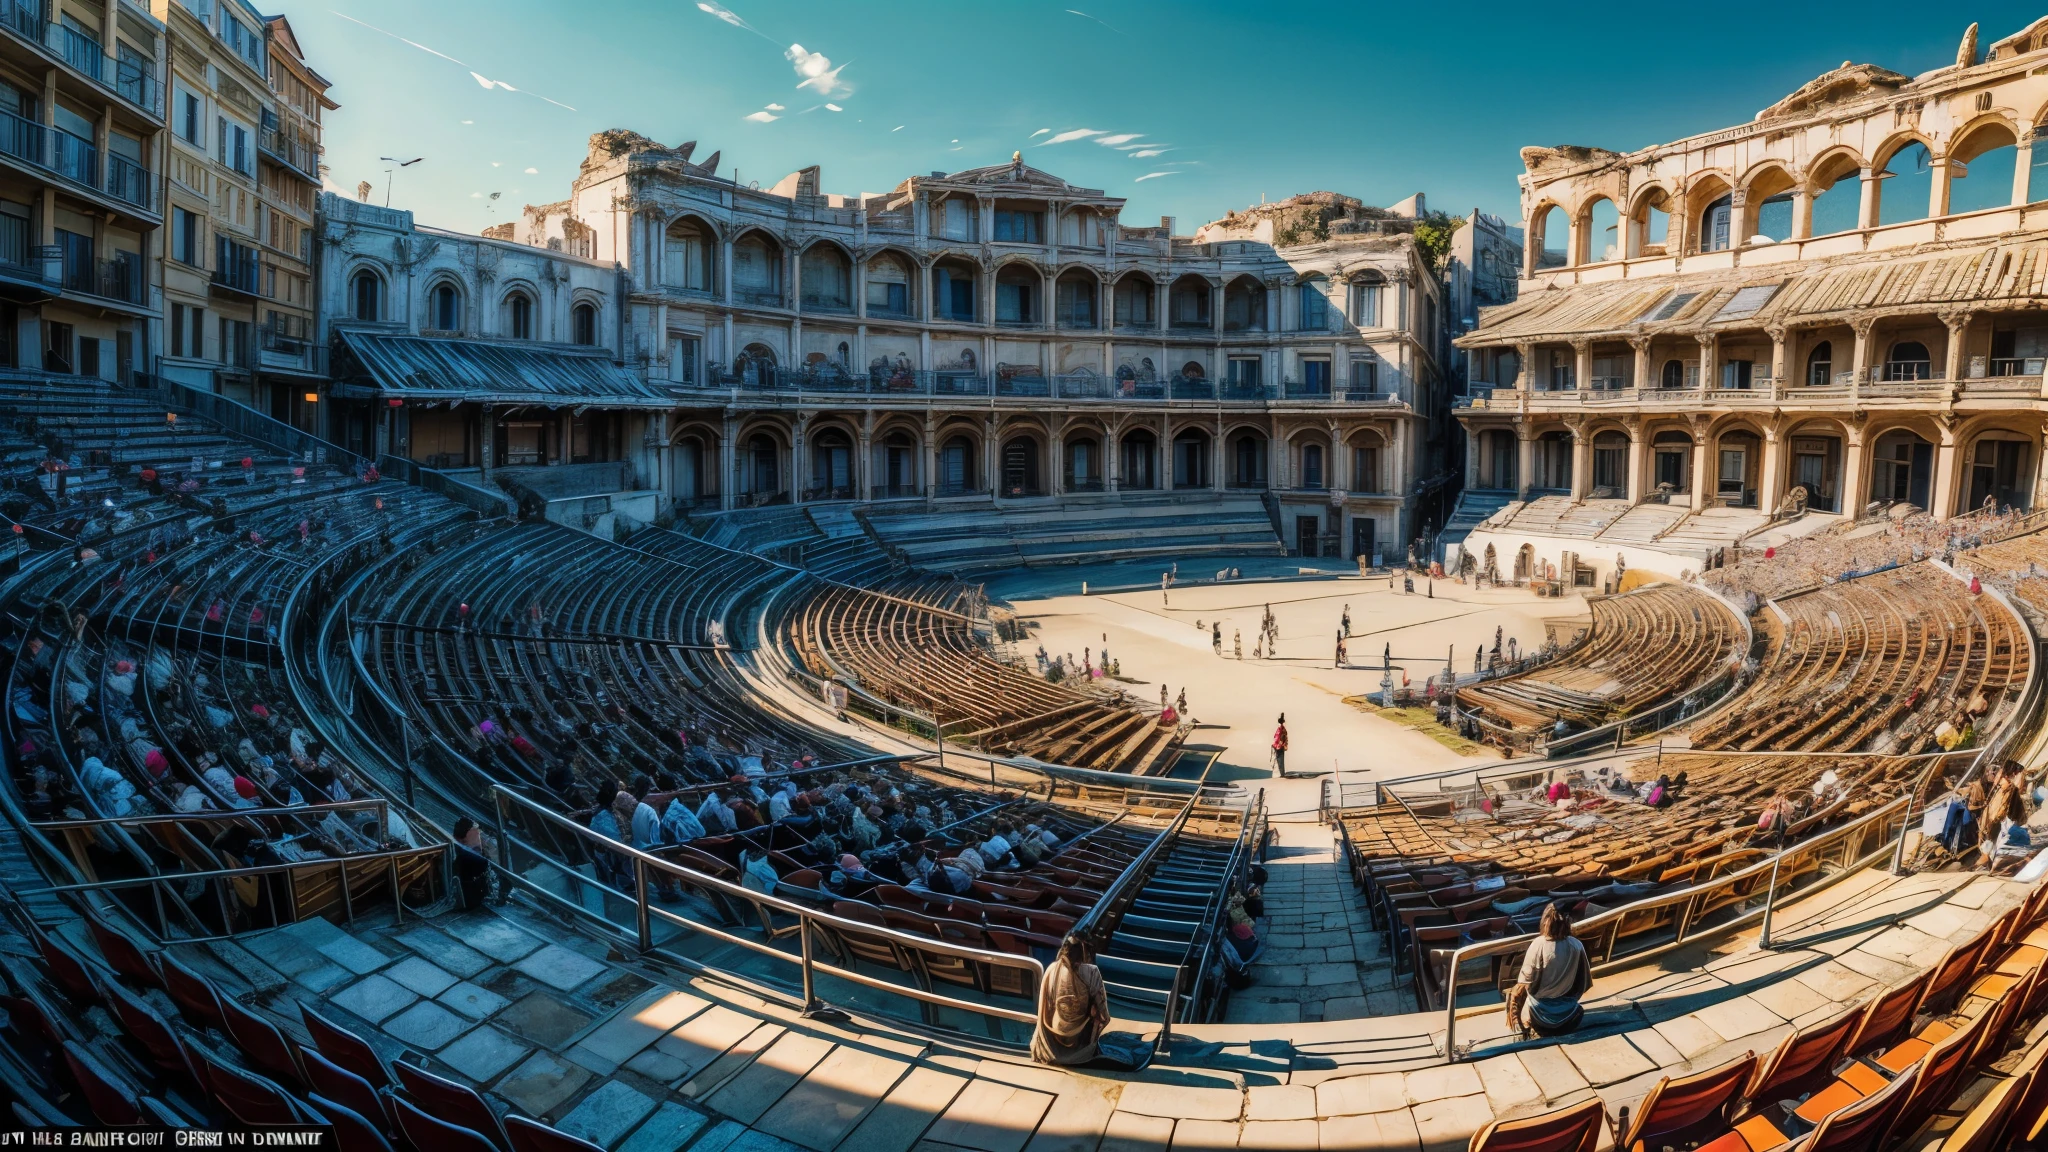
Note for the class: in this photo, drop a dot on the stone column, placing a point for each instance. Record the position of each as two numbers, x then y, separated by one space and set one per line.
1945 475
1112 459
1056 482
1778 335
1958 325
1638 456
1708 383
725 277
864 458
1472 444
1338 474
1859 362
990 457
728 463
1525 371
1937 188
489 440
1855 487
2022 165
1866 199
1582 462
1641 346
1582 365
1525 460
799 462
1802 214
931 456
1216 455
1700 480
1772 472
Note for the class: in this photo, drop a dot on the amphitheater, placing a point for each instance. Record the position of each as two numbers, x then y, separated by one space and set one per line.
255 681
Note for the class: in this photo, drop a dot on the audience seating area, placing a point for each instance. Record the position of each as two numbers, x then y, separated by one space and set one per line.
909 647
985 537
1644 647
1953 1058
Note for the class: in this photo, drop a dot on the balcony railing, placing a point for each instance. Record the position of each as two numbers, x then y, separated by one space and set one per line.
759 297
1903 371
2018 365
290 151
75 159
1030 385
132 80
236 269
120 280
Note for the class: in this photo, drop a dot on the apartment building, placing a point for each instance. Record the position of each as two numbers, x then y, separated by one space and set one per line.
1834 305
81 128
243 170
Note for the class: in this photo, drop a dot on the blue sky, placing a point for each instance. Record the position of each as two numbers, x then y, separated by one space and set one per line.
1186 109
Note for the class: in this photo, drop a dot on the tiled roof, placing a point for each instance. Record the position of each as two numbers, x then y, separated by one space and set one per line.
436 368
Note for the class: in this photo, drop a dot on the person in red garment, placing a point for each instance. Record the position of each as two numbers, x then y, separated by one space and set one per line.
1280 747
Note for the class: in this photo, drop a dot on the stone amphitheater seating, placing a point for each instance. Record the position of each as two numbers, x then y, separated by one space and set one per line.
1643 647
1644 524
984 539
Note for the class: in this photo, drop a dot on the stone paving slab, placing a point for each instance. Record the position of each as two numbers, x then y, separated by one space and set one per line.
991 1117
895 1123
606 1115
832 1098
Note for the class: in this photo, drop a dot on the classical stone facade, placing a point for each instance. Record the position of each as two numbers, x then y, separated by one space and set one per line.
1000 333
1834 304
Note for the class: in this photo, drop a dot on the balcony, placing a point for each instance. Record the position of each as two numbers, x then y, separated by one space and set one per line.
759 297
73 158
235 269
289 151
132 80
120 280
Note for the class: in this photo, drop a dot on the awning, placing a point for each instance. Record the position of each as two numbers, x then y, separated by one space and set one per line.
489 372
1987 276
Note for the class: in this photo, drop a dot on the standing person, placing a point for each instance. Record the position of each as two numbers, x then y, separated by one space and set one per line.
1180 703
1216 637
1237 644
1073 1007
1555 972
1280 747
1162 698
1345 630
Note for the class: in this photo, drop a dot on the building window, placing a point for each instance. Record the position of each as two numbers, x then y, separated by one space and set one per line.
1820 365
234 342
1312 466
956 220
447 308
1365 377
1016 303
585 318
1315 376
1365 305
1315 307
365 290
1714 225
1075 299
191 119
185 247
1244 372
682 359
519 317
953 294
1017 227
1365 467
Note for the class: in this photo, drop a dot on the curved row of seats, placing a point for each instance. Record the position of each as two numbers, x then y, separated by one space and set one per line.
1879 663
910 648
1926 1063
1644 647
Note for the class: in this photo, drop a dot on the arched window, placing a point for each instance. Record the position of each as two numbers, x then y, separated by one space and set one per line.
827 279
686 257
1673 375
1603 232
519 316
1837 193
1554 235
1908 361
367 292
447 308
1312 466
586 325
1906 183
1134 302
956 467
888 286
1982 178
1716 225
1315 306
1820 365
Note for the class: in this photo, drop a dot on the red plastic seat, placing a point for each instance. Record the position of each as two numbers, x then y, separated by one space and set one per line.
123 955
194 994
70 973
454 1103
149 1030
432 1134
248 1097
1573 1129
353 1132
260 1040
331 1080
1803 1061
1681 1111
112 1102
345 1048
533 1136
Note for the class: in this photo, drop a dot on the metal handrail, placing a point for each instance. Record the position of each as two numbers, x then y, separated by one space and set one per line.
379 803
1684 896
646 865
1137 870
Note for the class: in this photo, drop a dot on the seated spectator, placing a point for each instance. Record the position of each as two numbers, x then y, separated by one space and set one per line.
472 867
1555 972
1073 1007
851 880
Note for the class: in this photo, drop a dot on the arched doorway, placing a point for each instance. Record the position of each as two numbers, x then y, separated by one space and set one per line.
1671 470
1191 459
755 366
1610 466
1902 469
1020 467
1736 463
1525 562
1247 461
1082 468
1138 456
1817 467
763 469
2001 472
831 466
956 467
898 471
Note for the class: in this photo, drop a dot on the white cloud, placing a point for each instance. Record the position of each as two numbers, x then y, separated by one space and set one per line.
469 121
897 128
476 195
480 78
532 172
720 11
1071 135
1153 176
497 164
761 117
1037 134
1097 19
834 108
1148 152
1120 138
816 71
773 107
